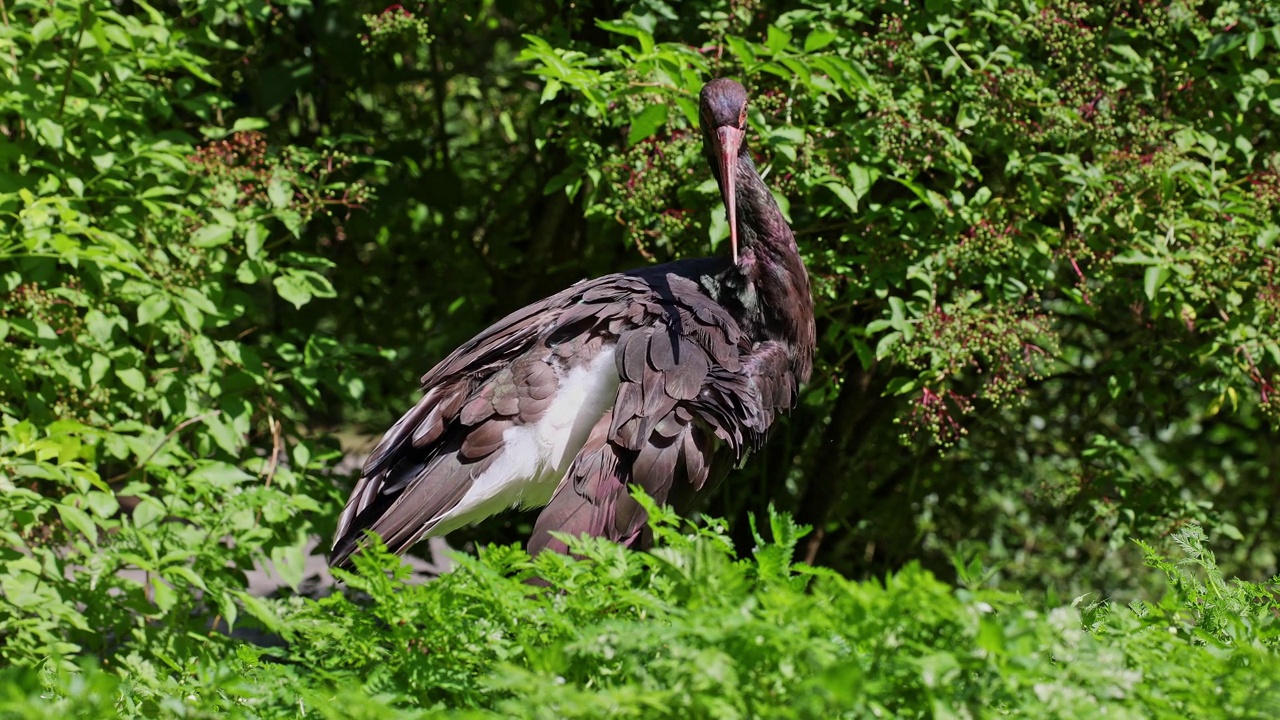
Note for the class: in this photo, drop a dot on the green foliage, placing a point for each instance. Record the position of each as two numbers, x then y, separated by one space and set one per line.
691 631
146 415
1043 240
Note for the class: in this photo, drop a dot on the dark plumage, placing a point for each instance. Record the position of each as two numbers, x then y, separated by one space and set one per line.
659 377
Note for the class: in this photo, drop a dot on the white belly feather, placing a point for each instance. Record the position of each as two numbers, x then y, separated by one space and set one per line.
534 458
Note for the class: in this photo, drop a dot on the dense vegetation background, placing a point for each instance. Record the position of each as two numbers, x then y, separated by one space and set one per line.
1043 238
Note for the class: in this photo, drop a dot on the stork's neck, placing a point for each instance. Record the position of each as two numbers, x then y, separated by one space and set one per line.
769 278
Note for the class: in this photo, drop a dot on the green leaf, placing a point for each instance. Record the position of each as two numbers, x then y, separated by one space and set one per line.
98 366
212 236
549 91
44 29
153 308
249 123
254 238
1153 278
202 347
289 562
741 49
646 123
299 286
279 192
646 39
163 594
78 519
819 39
148 512
132 379
50 132
719 230
901 386
887 343
259 609
843 192
225 435
776 39
1230 531
1256 43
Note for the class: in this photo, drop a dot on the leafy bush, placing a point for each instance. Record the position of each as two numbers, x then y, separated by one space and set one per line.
690 631
1043 242
150 425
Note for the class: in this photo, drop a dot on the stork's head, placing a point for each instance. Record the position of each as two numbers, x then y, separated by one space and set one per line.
723 116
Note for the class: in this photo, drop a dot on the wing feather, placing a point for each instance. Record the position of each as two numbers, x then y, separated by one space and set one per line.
694 393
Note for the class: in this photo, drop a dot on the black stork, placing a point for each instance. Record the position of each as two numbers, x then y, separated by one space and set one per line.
661 377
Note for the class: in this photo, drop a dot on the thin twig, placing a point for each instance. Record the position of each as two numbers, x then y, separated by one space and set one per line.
957 55
275 449
71 67
167 438
276 444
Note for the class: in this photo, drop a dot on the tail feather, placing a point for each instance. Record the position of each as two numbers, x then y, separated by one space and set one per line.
399 504
595 497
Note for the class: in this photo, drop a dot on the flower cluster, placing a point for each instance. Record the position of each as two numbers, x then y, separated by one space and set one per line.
910 139
645 181
986 243
246 172
932 415
394 23
1265 187
999 349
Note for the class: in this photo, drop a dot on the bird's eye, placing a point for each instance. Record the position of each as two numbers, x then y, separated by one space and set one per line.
742 117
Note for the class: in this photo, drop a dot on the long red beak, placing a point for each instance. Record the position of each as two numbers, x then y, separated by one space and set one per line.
730 142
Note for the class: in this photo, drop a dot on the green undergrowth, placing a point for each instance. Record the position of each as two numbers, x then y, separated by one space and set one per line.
689 630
